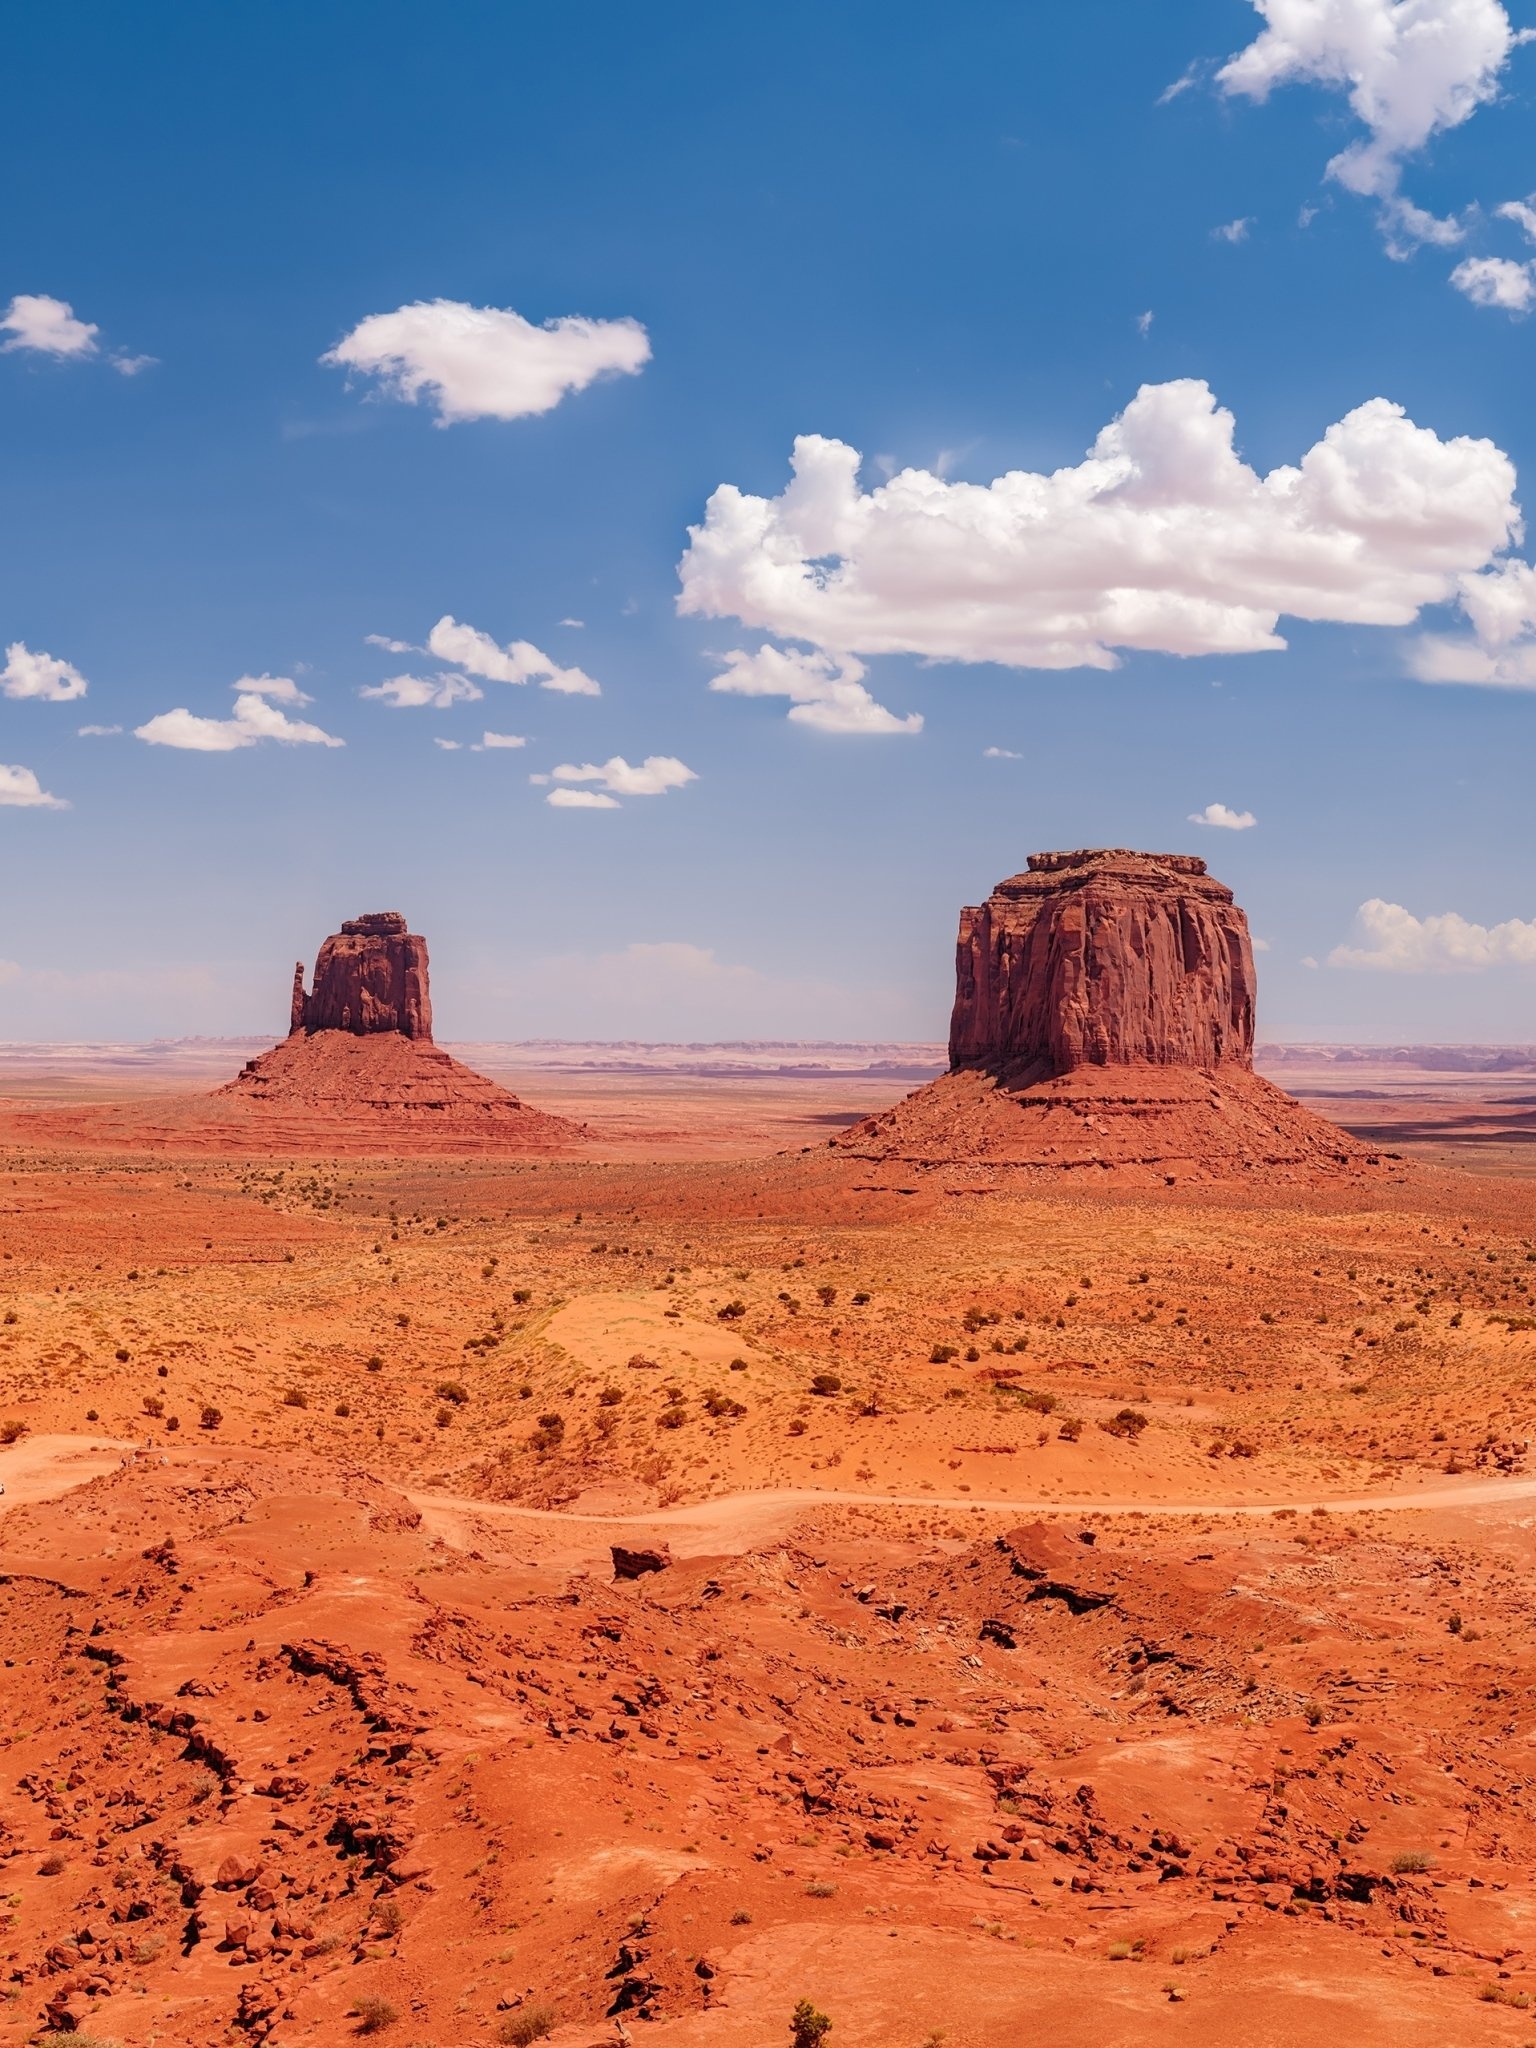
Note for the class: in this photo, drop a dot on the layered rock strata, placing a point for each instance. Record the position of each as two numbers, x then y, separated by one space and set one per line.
359 1062
1104 1022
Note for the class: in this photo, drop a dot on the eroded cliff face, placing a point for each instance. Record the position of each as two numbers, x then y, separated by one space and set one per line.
371 976
1104 958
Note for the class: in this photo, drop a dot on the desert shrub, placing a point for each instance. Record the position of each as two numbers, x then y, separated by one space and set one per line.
1071 1429
1411 1863
443 1418
672 1417
1128 1422
211 1417
550 1434
522 1296
295 1397
941 1354
154 1406
826 1296
121 1355
53 1864
528 2026
741 1917
374 1364
732 1312
343 1409
797 1426
716 1403
610 1397
826 1383
861 1300
819 1888
808 2028
12 1432
373 2015
387 1916
452 1390
173 1422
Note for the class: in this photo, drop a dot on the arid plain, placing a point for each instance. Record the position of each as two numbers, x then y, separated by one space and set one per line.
689 1557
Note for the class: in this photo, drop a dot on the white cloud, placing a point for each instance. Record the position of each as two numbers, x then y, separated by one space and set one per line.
277 689
518 662
824 690
21 790
1225 817
97 732
579 800
410 693
1394 941
1260 945
254 720
1500 605
39 675
1144 322
1162 539
485 362
46 327
490 741
131 366
1234 230
656 774
449 746
1411 68
1000 754
1522 212
573 622
1496 281
391 646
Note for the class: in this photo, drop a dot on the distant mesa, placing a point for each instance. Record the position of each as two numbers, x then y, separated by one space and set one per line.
1104 1022
359 1060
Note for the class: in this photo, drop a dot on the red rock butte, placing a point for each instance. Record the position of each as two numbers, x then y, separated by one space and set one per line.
1104 1021
359 1063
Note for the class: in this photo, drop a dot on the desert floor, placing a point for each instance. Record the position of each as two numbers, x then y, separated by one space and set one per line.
1089 1617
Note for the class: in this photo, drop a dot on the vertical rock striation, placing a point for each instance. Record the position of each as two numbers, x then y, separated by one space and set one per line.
370 976
1103 1023
1104 958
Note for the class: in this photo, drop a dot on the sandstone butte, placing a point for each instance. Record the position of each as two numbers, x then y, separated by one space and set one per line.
1104 1023
359 1057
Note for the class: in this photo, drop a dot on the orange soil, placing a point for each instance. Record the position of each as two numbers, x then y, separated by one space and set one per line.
334 1699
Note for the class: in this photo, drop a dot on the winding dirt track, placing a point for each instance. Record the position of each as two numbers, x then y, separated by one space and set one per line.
733 1517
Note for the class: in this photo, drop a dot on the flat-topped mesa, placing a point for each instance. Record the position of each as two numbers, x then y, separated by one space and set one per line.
1104 957
370 977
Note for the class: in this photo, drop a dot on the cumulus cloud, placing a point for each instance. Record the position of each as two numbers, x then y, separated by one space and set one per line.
21 790
1224 816
1163 539
409 693
824 690
46 327
254 720
1522 212
1496 281
39 675
486 362
1500 653
1411 69
653 776
1393 941
489 742
581 800
518 662
278 689
1000 754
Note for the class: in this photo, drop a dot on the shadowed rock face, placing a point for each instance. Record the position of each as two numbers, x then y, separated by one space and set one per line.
1104 958
371 976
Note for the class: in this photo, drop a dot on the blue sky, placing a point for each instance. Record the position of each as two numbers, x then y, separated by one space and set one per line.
932 236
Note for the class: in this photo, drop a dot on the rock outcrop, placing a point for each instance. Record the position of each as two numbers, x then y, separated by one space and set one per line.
1104 959
1104 1022
370 976
359 1070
